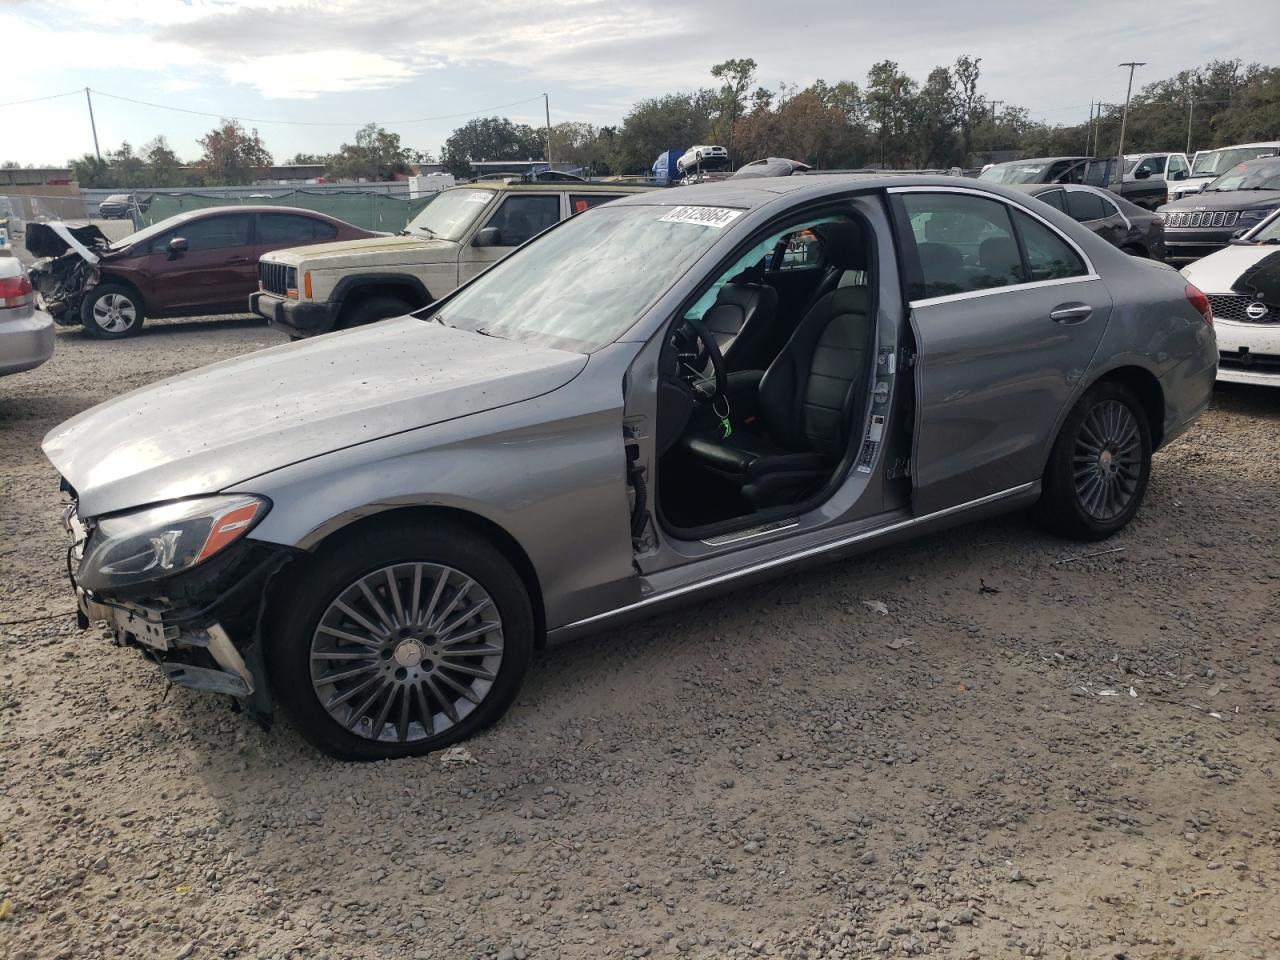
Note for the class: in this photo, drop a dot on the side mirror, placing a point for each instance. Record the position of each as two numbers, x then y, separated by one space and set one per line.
488 237
1180 175
1142 175
177 246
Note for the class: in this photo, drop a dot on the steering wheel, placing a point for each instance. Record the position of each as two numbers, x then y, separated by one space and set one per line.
709 391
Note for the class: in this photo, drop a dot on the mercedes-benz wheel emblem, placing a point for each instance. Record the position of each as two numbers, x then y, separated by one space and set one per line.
1255 310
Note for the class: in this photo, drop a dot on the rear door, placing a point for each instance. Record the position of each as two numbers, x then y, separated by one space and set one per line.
518 217
1007 314
278 231
217 272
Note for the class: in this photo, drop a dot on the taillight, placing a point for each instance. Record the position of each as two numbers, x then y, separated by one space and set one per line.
16 292
1196 297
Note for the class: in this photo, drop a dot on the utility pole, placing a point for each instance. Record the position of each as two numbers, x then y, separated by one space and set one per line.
1124 117
546 100
1088 132
93 126
995 109
1191 112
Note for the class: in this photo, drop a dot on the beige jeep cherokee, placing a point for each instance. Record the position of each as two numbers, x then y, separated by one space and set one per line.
331 286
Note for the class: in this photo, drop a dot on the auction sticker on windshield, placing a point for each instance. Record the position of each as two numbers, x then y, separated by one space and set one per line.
717 217
479 196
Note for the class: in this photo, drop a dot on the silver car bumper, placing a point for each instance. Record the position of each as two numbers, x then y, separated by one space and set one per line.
25 342
1248 352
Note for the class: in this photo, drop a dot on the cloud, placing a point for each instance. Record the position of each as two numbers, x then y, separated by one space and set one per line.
307 75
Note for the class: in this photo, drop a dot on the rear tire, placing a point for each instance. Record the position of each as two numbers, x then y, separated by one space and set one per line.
371 674
111 311
1100 465
372 310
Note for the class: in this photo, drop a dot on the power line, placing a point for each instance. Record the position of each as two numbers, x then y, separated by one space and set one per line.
315 123
52 96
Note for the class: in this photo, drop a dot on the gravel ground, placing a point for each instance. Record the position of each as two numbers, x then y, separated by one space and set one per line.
973 746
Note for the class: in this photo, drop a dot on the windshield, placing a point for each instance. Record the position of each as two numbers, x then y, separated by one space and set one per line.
1248 176
1129 165
1014 173
450 214
583 284
1215 162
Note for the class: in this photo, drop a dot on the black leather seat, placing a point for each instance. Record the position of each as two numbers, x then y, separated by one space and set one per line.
806 397
740 320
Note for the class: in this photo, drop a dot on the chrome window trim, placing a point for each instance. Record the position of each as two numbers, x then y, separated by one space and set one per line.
1090 272
1012 288
813 551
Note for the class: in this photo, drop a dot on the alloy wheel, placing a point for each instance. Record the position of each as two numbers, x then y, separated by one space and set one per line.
406 652
1106 463
114 313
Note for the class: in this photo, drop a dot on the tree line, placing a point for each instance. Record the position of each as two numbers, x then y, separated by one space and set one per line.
890 120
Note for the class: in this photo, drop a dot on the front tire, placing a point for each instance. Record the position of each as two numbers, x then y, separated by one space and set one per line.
372 310
400 639
1100 465
111 311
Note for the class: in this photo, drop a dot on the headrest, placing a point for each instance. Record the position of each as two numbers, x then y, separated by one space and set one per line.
846 245
851 300
745 294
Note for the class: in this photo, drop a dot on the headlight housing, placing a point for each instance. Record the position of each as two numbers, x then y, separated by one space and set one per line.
157 542
1253 216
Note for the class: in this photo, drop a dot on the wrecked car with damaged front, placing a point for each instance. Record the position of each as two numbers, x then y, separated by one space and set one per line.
658 399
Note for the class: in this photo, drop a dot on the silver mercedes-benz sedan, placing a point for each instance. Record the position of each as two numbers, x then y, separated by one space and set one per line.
676 393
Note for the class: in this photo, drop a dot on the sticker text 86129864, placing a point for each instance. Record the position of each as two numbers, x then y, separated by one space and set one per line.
716 217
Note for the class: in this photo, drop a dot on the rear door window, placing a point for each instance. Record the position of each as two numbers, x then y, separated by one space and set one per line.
963 243
1049 257
285 228
522 217
1084 206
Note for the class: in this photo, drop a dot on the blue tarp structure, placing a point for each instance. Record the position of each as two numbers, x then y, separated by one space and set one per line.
665 169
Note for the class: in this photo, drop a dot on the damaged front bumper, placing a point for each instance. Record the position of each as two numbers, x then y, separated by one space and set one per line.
68 267
203 627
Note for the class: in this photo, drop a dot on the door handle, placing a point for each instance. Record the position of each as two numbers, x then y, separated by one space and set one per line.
237 259
1071 313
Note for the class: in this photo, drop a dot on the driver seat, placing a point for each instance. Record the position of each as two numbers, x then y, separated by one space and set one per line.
806 396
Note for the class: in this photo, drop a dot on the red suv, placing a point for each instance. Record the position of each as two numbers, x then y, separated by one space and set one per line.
191 264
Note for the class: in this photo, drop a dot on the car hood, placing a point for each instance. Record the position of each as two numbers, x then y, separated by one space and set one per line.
210 428
387 251
1231 200
1218 272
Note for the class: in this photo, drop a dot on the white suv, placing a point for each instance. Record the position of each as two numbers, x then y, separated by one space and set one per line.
332 286
1211 164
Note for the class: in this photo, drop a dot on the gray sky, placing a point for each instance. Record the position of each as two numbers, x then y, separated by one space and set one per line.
337 64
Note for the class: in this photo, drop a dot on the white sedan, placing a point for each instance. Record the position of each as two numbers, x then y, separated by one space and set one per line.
703 157
1243 284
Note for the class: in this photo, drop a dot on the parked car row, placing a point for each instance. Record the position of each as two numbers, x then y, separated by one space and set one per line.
1141 188
201 262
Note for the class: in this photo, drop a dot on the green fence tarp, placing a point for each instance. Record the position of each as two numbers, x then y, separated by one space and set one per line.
373 211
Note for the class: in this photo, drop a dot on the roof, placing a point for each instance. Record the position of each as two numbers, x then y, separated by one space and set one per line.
747 194
551 185
1041 160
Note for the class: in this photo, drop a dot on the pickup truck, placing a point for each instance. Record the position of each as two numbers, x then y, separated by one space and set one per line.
333 286
1104 172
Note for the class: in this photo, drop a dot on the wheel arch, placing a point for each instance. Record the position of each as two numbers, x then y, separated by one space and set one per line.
482 526
351 290
106 278
1147 389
